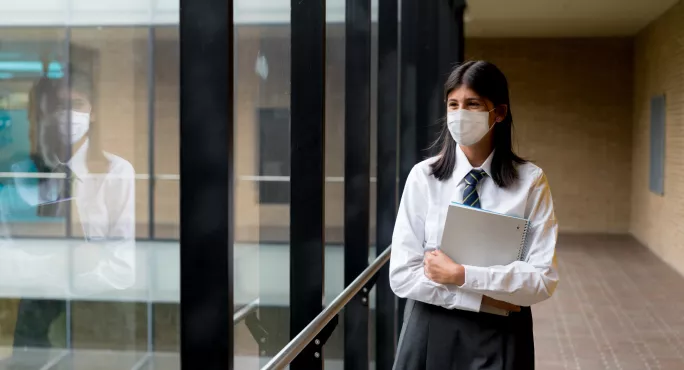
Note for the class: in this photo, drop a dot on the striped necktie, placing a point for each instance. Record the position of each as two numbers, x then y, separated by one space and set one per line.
470 196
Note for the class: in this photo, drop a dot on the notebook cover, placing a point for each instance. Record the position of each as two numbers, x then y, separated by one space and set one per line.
477 237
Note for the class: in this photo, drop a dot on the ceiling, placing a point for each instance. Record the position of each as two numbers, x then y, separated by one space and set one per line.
561 18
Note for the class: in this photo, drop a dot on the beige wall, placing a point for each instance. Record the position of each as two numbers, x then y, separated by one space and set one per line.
259 222
571 105
166 132
254 222
658 221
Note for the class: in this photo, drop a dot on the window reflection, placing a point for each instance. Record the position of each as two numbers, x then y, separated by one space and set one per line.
66 177
77 291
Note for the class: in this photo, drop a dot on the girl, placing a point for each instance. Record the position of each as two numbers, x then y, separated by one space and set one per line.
444 327
95 191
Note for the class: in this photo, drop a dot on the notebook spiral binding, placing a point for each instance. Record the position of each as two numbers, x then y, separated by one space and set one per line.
523 243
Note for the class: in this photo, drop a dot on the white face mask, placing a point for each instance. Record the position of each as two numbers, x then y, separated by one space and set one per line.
80 124
468 127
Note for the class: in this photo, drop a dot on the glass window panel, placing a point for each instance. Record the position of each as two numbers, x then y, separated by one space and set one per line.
77 290
166 129
262 196
30 60
334 170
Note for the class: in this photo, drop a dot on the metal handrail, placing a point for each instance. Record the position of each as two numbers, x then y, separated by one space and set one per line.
244 311
297 345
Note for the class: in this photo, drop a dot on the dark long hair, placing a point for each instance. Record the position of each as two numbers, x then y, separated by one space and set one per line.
489 82
45 101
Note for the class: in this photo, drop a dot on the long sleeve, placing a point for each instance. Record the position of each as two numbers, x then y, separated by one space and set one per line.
115 266
533 280
119 270
407 277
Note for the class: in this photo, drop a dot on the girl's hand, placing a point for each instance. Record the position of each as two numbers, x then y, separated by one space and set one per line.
441 269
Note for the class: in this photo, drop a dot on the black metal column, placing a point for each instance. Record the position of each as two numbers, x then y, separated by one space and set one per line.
307 179
431 43
428 88
408 154
451 36
388 108
151 117
151 181
206 186
357 178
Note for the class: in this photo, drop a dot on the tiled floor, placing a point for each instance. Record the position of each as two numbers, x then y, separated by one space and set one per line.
617 307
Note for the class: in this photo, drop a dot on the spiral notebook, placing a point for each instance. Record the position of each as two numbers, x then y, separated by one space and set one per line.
477 237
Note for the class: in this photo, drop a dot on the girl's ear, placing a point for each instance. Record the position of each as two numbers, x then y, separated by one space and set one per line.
501 112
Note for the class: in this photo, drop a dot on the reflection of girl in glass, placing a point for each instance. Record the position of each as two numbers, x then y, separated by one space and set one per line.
95 188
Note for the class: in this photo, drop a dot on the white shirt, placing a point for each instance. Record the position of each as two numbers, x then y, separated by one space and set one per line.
104 207
106 211
420 224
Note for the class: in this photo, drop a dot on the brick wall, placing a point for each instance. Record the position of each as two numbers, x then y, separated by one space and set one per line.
659 69
571 104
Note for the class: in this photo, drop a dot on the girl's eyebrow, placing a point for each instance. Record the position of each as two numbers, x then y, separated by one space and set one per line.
472 99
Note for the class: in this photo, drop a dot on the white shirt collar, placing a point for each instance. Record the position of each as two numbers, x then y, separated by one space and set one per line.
463 166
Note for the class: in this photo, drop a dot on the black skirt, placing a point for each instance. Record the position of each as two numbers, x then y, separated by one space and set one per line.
435 338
